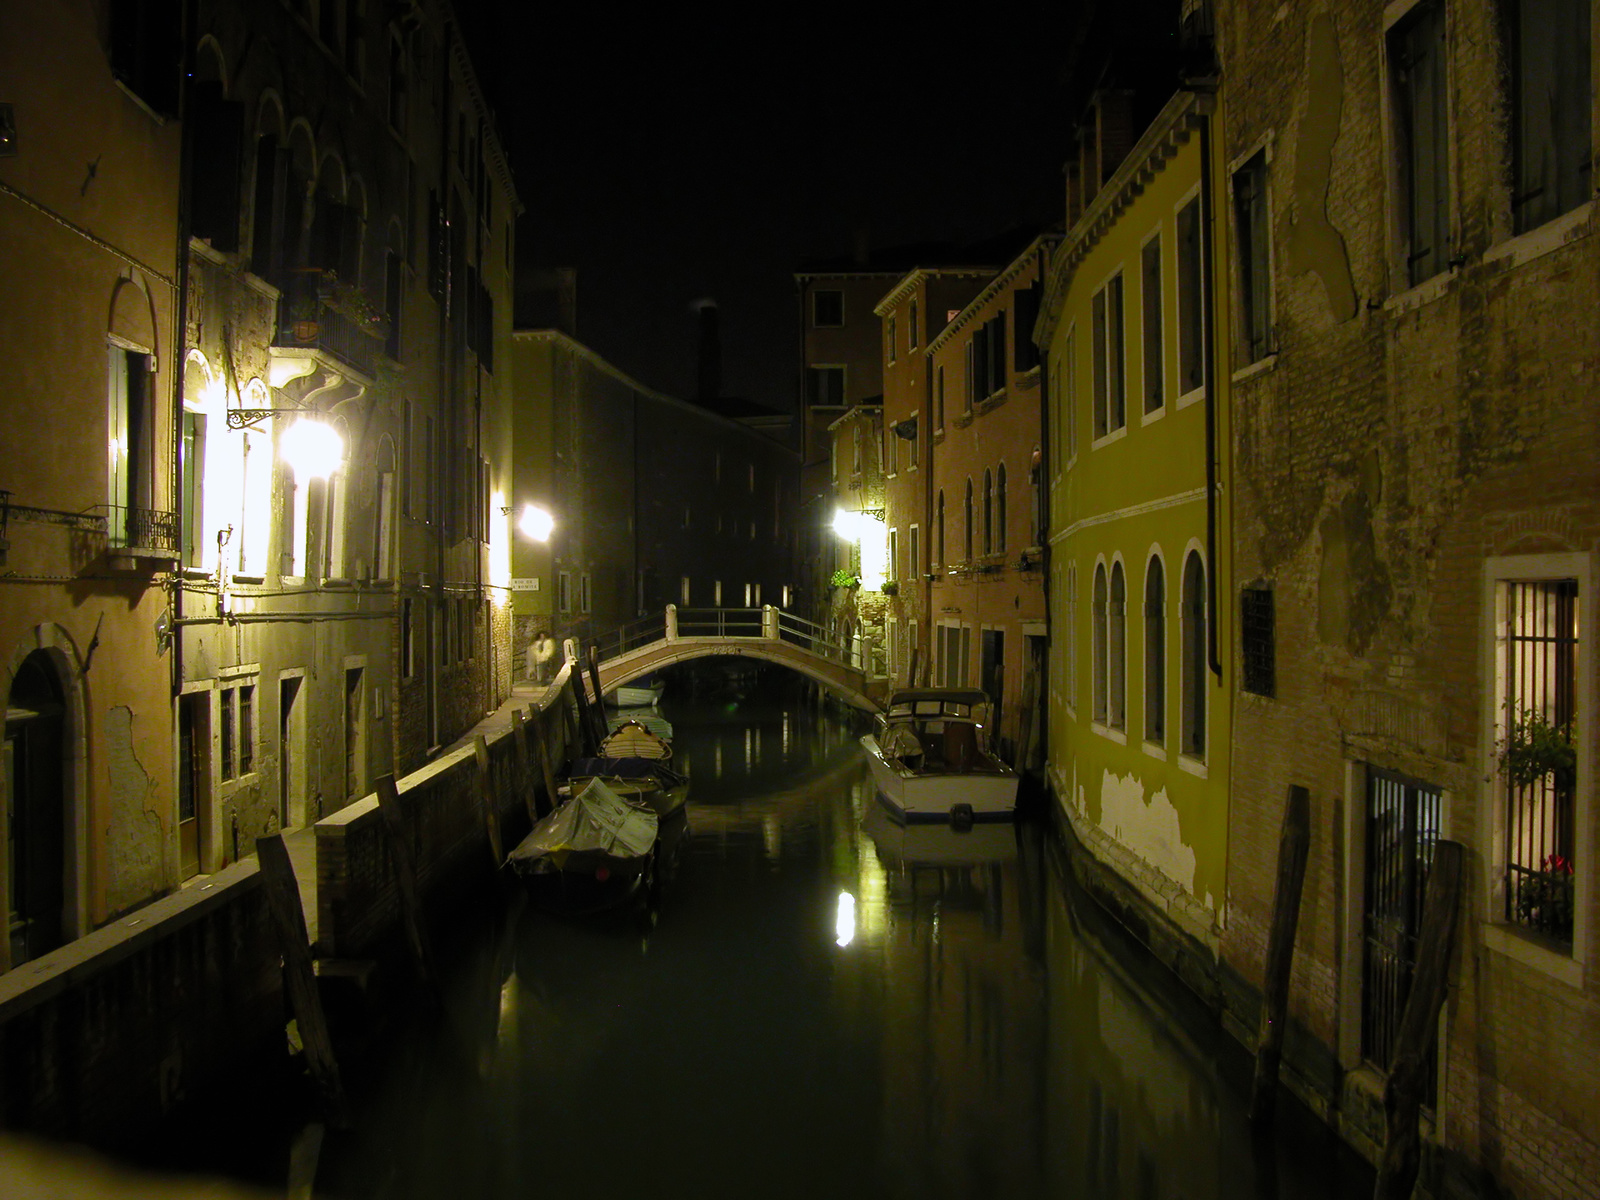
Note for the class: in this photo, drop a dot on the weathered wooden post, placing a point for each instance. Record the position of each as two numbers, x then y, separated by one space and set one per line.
519 743
483 784
405 876
1402 1095
1292 847
599 697
672 623
300 978
536 728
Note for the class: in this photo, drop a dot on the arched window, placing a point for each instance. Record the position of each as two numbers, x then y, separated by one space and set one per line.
1194 656
968 523
1155 652
1000 509
1117 650
938 533
988 510
1098 643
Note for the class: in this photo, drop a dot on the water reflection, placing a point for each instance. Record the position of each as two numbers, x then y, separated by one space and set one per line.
832 1005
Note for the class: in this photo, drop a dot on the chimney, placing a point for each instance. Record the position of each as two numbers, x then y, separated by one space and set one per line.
710 377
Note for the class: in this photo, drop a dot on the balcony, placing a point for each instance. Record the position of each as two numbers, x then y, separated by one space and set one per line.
141 533
318 313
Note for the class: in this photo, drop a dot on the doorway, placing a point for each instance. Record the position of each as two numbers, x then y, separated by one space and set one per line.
992 679
355 734
291 752
194 776
36 818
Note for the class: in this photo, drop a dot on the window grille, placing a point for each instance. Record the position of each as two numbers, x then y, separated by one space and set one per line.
1539 658
1257 632
1402 828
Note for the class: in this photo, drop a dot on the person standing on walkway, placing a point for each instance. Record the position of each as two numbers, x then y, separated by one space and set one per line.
544 651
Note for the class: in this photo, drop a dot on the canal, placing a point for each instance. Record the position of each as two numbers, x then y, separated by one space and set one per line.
829 1005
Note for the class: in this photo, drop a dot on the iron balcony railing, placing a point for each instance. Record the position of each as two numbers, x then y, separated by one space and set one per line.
307 320
133 528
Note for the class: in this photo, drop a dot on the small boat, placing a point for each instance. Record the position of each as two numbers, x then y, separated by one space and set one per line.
594 852
637 695
635 762
929 760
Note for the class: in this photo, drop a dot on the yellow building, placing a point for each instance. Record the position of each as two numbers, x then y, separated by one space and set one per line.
1139 674
89 170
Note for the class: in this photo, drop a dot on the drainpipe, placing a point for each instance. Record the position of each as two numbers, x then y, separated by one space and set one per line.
1207 289
180 337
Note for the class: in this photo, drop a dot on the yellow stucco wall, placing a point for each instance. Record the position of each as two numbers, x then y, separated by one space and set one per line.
1159 814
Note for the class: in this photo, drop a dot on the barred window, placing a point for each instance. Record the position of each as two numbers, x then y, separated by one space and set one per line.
1256 635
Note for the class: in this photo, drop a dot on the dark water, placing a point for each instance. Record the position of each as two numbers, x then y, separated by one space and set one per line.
830 1006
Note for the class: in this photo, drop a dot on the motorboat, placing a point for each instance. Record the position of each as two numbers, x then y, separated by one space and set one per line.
930 759
644 694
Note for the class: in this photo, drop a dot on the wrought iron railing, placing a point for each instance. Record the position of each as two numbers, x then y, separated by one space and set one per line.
719 622
134 528
646 629
306 320
808 635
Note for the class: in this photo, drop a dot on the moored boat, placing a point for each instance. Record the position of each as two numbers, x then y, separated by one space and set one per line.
592 853
636 762
929 759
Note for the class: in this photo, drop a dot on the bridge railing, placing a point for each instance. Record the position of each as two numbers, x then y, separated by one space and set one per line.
808 635
719 622
649 628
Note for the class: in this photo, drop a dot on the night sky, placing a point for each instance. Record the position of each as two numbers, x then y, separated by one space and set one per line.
671 154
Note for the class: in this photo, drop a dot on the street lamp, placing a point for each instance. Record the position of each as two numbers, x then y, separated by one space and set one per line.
536 522
313 449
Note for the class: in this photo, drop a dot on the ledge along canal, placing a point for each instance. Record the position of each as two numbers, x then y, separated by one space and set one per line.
829 1005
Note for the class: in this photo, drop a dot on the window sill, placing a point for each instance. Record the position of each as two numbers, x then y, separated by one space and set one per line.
196 573
1155 750
1260 367
1193 396
1195 766
1525 949
1543 239
1154 415
1119 736
1106 439
1421 294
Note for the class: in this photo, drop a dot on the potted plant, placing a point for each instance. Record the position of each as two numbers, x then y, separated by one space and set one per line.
844 579
1545 897
1535 747
891 587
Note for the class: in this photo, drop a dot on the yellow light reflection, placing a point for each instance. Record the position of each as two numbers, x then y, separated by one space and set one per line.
499 545
844 924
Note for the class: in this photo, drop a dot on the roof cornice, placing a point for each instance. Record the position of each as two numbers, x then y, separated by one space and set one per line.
1172 127
997 285
917 275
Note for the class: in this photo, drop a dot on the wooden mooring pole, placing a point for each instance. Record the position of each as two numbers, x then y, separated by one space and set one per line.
1403 1094
1293 844
483 785
300 977
520 731
542 749
405 877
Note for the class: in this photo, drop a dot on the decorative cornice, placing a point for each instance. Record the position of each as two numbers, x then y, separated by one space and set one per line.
1003 280
917 274
1172 127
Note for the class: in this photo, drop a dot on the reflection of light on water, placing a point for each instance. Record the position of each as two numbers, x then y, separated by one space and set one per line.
786 733
845 923
855 800
718 762
506 1026
874 885
772 837
749 748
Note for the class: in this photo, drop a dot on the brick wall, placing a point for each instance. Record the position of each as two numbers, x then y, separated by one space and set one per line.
101 1038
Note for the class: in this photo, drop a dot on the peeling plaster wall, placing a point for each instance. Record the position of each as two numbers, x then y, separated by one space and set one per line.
1150 828
134 836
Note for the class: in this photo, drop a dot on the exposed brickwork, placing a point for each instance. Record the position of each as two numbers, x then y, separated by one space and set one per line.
1379 460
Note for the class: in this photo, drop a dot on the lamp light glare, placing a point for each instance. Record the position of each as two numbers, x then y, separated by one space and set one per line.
536 522
313 449
844 925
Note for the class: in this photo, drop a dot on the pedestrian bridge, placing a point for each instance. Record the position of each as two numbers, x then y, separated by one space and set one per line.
767 634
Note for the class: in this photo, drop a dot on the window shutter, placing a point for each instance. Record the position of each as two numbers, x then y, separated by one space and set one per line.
218 135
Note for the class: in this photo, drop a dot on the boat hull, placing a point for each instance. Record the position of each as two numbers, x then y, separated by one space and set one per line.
981 794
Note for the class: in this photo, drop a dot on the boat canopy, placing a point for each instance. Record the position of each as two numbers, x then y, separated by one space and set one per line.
595 819
918 697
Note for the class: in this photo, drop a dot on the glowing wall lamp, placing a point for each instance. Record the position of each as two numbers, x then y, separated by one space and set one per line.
536 522
313 449
866 529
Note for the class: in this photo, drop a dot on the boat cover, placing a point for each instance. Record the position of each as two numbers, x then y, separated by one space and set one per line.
595 819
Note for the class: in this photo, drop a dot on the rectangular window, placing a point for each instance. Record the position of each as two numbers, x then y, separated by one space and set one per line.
226 718
1110 401
1256 636
894 554
938 393
683 590
1154 346
914 443
1191 313
585 594
1418 100
1069 397
825 386
145 53
912 335
827 309
192 469
564 591
1255 280
914 554
1537 691
1550 101
1025 355
888 339
1072 638
247 728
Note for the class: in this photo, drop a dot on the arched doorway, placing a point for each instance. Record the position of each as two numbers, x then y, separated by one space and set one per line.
36 787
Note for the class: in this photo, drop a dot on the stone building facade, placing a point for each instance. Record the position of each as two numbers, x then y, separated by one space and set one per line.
89 201
1412 258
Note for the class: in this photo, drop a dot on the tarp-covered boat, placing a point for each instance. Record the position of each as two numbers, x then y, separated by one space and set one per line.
590 854
636 763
